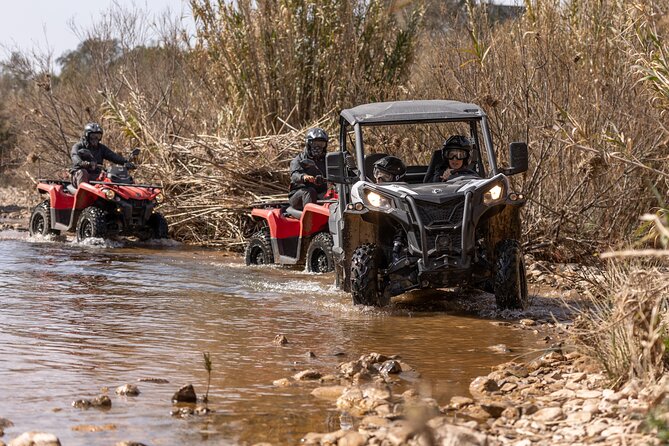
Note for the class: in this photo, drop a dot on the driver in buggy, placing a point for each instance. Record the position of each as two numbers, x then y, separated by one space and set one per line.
456 153
89 154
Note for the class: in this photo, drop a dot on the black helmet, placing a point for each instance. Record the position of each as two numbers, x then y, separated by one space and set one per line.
389 168
459 145
91 127
317 143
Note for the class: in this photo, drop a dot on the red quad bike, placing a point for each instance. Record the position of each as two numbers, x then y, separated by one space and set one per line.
112 205
292 237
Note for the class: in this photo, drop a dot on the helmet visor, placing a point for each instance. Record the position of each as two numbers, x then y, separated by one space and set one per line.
94 137
457 154
383 177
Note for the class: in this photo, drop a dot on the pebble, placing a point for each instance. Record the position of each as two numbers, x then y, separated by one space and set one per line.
127 390
35 439
280 340
186 394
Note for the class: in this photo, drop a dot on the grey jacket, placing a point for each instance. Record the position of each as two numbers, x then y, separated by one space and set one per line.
100 153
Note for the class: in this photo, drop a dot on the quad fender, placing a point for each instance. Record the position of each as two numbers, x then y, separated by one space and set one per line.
279 226
314 219
86 196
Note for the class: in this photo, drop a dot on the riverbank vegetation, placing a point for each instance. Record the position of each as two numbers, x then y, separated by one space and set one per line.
220 113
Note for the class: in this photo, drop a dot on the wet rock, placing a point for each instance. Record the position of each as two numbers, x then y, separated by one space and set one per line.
280 340
127 390
100 402
390 367
482 387
4 423
94 428
35 439
349 368
186 394
458 402
184 412
284 382
307 375
310 355
329 379
153 380
500 348
329 392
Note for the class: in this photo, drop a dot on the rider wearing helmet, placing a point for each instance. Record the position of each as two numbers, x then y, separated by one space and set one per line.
307 171
455 153
89 154
389 169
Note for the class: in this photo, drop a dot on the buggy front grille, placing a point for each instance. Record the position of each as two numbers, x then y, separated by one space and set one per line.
449 213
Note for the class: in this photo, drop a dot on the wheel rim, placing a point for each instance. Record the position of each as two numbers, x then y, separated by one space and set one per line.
38 224
257 257
86 229
319 261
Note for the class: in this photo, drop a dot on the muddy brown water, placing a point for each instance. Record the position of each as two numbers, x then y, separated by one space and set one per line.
78 319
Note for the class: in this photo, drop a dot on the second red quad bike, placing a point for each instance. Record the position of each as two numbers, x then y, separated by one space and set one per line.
112 205
292 237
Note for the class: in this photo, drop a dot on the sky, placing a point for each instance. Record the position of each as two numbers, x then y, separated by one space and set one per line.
44 25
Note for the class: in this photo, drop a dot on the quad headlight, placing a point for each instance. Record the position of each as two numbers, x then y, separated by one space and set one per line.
110 194
160 198
495 193
375 200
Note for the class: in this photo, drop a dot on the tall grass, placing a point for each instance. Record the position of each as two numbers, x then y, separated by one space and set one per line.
288 62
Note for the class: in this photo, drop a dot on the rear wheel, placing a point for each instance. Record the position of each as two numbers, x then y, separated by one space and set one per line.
40 220
319 254
158 225
259 249
92 223
365 286
509 276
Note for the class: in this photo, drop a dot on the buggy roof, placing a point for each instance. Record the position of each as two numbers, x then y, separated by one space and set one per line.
410 111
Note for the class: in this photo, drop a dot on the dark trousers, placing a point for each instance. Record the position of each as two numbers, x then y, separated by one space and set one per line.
80 176
303 196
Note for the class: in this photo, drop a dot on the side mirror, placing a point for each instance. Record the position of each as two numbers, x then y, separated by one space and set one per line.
335 168
518 158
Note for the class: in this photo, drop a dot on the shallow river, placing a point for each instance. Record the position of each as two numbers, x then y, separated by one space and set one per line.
76 320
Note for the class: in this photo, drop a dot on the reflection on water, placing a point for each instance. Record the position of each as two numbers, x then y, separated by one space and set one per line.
77 320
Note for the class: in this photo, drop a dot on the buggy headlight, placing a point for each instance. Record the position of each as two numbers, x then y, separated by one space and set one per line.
494 193
160 198
110 194
375 200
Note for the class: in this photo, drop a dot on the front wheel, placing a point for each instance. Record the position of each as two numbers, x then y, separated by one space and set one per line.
158 226
40 220
92 223
259 249
319 254
365 286
509 276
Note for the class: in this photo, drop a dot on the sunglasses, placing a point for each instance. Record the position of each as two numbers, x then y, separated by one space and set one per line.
457 155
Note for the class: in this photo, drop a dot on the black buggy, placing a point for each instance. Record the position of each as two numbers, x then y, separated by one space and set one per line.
390 238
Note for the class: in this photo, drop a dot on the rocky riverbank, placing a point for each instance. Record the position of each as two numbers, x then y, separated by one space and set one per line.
560 398
15 206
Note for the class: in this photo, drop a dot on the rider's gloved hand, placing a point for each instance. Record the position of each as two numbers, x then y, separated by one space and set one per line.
130 165
319 180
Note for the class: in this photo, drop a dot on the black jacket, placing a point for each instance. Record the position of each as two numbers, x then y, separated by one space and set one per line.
303 165
100 153
439 171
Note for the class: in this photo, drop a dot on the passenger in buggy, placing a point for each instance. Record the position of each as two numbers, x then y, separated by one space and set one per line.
456 153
